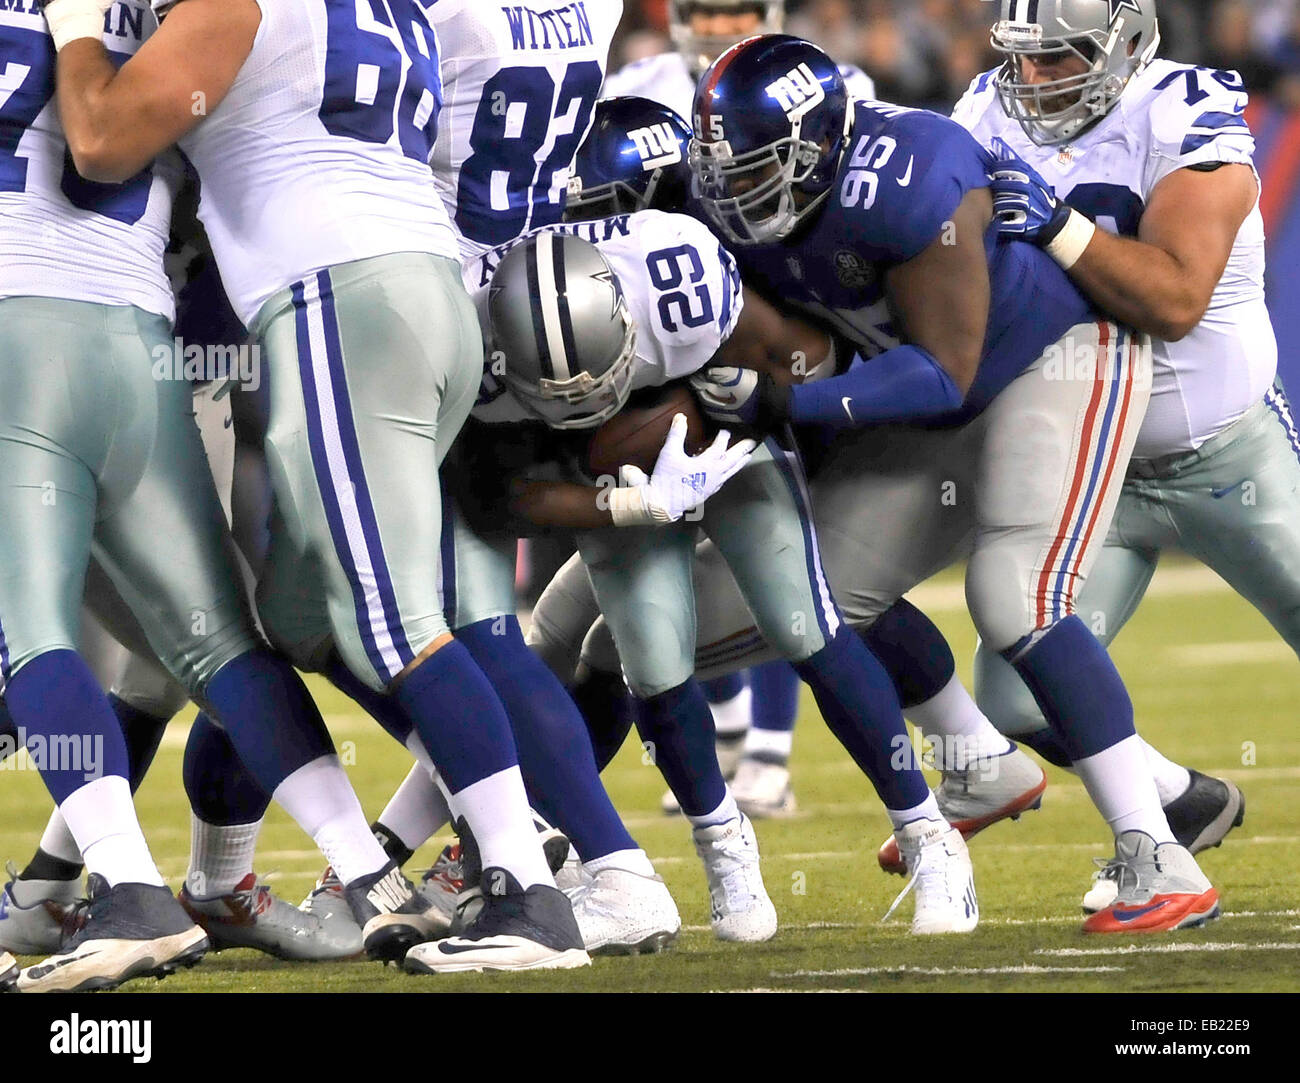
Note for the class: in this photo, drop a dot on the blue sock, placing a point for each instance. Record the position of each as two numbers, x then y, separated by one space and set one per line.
913 652
379 705
555 752
776 696
608 709
220 789
142 732
269 716
721 689
860 706
1077 688
67 723
678 727
459 718
1047 744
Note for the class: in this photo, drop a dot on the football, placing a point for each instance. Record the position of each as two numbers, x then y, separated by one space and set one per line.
637 433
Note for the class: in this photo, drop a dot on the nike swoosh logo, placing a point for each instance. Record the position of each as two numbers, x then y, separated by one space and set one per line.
447 948
848 407
906 178
1133 915
1219 494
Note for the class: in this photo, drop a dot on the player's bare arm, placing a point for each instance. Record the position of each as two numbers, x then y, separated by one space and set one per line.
767 340
939 299
1162 282
118 121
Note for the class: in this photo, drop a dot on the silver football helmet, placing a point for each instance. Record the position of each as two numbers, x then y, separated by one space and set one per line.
560 326
1116 39
701 50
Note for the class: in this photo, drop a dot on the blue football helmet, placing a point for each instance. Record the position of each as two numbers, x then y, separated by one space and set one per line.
771 121
634 157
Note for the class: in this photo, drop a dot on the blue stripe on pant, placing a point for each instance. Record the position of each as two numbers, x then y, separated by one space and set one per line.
357 545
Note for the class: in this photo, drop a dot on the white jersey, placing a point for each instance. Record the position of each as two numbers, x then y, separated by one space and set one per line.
682 290
319 154
520 81
62 236
1170 116
666 78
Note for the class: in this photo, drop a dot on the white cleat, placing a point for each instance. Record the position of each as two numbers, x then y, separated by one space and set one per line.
740 909
8 972
620 912
130 931
942 877
252 917
762 789
978 796
1105 886
571 875
32 913
513 930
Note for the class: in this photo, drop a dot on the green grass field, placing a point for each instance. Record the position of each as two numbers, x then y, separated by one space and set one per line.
1214 688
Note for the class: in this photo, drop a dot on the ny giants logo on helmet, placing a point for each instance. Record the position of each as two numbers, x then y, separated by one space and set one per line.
657 145
797 92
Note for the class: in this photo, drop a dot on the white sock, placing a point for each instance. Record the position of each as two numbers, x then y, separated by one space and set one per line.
724 813
768 743
952 713
322 802
57 840
732 716
417 810
926 810
1118 780
102 819
496 809
628 860
220 856
1172 779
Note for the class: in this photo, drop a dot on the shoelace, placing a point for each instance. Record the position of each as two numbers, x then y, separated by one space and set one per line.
911 883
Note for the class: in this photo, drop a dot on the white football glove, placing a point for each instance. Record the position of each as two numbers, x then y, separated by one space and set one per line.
680 482
73 19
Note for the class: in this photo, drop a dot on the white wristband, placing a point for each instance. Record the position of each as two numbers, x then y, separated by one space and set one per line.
73 19
634 507
1068 246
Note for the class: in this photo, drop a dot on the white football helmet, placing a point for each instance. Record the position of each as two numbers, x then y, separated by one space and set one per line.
701 50
1115 38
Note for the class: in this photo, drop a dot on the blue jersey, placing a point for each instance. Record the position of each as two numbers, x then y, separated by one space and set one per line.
901 179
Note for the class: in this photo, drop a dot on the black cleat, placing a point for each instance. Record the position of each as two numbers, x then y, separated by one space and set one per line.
128 931
1207 810
389 912
8 972
513 930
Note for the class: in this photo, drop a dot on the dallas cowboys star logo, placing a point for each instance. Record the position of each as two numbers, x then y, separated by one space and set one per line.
1116 6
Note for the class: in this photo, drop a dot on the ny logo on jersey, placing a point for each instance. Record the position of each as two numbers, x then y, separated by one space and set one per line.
797 92
656 145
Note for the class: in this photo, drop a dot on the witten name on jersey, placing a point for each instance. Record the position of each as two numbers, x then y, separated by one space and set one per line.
62 236
682 289
319 154
1169 117
666 78
519 84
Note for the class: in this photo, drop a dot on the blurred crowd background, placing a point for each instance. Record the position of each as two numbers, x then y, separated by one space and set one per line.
925 52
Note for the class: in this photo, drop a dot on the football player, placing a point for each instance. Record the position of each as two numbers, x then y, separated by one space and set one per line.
881 220
338 255
115 448
1157 154
759 521
754 711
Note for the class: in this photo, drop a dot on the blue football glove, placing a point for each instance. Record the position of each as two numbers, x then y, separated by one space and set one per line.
1025 206
736 396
